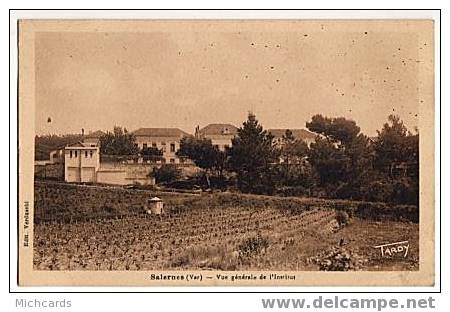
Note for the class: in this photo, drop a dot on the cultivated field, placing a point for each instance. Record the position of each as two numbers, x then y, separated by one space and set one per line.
98 228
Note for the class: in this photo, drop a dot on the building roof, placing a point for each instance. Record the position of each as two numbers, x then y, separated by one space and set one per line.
95 134
160 132
297 133
219 129
81 145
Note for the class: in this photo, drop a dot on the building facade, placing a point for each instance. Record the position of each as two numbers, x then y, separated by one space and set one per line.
165 139
299 134
81 162
219 134
57 156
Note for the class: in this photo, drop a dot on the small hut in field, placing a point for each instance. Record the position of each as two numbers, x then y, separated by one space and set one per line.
155 206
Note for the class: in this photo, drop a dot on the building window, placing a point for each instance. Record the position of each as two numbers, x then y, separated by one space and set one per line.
76 154
154 144
91 153
172 147
70 154
172 161
144 146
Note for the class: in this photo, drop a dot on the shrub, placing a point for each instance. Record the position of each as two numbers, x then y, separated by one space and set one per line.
186 184
342 218
166 174
377 191
339 259
398 191
293 191
405 191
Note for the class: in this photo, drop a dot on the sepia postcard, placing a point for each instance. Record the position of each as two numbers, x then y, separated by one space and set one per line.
213 152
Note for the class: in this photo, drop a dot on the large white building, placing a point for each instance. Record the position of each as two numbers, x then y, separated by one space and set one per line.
219 134
165 139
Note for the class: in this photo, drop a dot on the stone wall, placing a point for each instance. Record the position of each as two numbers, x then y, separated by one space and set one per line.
125 174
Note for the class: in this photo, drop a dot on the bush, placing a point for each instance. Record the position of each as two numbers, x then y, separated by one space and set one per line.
405 191
377 191
342 217
293 191
344 191
188 184
339 259
399 191
166 174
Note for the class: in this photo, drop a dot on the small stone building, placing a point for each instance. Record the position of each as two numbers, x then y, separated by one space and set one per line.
155 206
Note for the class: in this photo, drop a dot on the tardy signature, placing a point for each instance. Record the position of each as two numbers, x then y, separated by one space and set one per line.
392 249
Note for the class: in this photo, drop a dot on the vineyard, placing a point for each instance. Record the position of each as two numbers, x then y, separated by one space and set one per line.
101 228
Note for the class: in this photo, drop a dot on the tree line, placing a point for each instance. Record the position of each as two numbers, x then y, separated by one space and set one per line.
342 162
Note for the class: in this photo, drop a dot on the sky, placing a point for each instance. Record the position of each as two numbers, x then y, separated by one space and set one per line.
186 74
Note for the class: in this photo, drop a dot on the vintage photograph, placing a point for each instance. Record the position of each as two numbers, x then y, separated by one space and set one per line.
261 151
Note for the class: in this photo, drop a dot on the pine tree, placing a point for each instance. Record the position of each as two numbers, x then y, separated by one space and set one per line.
293 153
251 157
395 144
